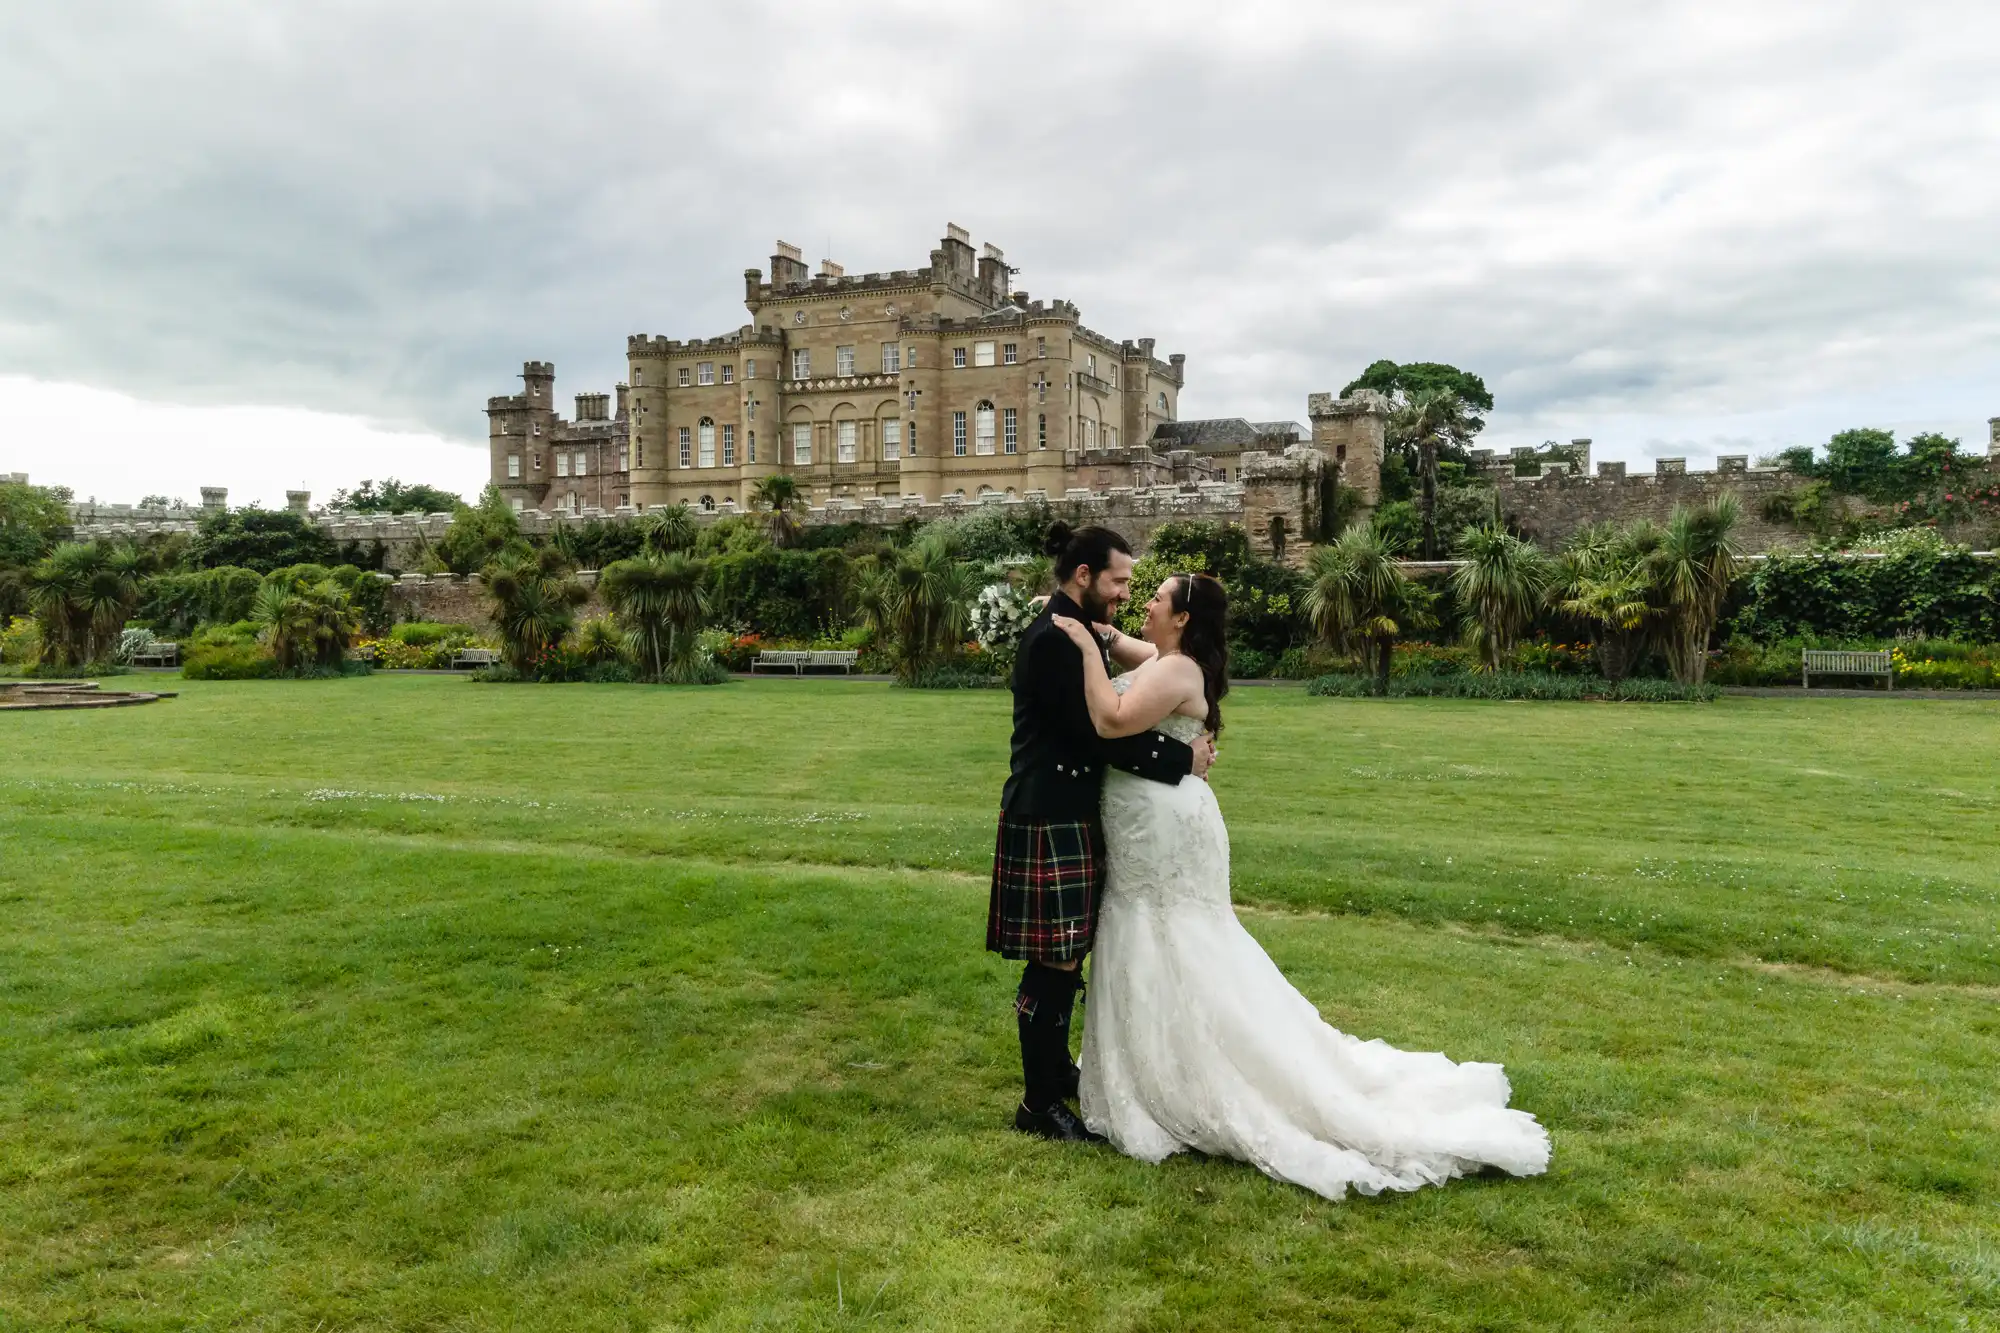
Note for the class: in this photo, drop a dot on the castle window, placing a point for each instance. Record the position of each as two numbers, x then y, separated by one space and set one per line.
536 459
728 373
518 504
843 361
1010 433
1163 402
638 377
639 453
1041 390
729 446
958 434
1111 437
503 427
751 408
1112 370
910 357
705 441
982 354
892 358
958 358
707 503
913 439
1009 354
562 465
704 373
1090 364
750 444
538 428
1041 430
684 377
802 363
750 368
802 444
844 442
1041 348
624 458
576 468
687 447
513 467
982 432
892 441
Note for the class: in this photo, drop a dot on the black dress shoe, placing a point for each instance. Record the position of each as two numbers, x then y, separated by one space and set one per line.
1058 1123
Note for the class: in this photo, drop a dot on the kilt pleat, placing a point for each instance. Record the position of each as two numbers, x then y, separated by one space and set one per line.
1047 878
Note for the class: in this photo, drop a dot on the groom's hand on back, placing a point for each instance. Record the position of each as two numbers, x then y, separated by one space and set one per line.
1204 755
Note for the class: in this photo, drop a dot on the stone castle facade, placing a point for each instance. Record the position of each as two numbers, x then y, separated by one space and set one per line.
927 383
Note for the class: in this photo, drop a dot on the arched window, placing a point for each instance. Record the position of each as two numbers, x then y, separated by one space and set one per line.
1163 402
708 503
982 428
705 443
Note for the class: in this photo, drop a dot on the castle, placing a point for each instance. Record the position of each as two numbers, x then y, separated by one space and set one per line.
918 383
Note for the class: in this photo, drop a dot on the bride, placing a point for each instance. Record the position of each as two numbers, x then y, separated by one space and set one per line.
1192 1037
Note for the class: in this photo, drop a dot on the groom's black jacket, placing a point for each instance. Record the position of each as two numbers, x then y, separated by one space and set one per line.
1058 763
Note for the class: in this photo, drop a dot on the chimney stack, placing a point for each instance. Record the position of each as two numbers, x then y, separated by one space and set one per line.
788 266
215 498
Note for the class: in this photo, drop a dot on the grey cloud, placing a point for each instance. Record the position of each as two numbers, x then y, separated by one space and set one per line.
1664 215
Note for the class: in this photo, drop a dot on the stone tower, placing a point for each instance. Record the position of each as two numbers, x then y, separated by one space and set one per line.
1351 433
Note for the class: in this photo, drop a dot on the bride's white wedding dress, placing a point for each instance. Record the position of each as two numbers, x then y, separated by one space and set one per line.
1192 1038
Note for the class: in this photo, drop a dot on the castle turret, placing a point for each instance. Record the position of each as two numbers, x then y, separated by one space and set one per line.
1352 432
1993 440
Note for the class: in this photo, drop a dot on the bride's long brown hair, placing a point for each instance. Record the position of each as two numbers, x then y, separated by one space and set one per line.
1205 637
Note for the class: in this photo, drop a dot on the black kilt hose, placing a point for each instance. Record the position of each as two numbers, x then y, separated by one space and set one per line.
1048 856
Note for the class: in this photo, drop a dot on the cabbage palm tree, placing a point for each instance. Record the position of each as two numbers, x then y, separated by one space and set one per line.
82 593
661 603
671 529
1501 585
534 602
1429 420
309 626
1359 597
1603 579
781 497
1692 569
920 601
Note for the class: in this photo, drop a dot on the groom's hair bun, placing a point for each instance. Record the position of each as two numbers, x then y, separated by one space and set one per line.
1089 547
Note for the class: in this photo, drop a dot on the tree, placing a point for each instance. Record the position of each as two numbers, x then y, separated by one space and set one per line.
534 601
663 531
661 604
305 625
259 539
481 534
82 594
1429 422
1501 585
1357 595
33 521
161 502
396 497
779 495
1691 570
920 600
1406 382
1602 579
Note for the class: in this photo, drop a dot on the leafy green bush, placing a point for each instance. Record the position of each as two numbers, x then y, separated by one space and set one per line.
1514 685
1919 587
21 642
229 661
430 633
499 674
968 672
176 603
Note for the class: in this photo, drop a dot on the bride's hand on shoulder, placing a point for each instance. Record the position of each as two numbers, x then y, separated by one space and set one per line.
1077 631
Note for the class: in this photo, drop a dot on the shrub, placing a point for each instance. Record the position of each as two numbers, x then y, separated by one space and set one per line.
229 661
499 674
958 673
1513 685
1920 587
21 642
176 604
429 633
1250 664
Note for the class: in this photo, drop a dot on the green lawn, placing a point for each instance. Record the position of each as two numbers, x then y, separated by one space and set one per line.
407 1003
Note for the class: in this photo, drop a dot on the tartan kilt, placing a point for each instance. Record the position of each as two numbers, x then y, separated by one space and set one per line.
1047 878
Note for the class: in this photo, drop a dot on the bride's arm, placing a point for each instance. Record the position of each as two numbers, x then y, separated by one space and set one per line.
1147 703
1127 651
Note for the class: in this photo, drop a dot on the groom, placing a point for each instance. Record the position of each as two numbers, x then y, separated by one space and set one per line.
1048 862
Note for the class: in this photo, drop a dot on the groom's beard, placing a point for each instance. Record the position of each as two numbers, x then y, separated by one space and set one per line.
1095 609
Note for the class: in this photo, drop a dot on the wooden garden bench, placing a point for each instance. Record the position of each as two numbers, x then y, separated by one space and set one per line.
158 654
1824 663
475 658
842 658
788 659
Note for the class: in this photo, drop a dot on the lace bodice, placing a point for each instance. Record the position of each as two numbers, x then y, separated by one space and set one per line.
1177 725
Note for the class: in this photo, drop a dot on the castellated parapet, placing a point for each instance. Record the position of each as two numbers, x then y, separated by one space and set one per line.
1351 433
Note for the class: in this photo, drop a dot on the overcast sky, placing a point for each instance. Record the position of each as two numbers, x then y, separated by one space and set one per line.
265 244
